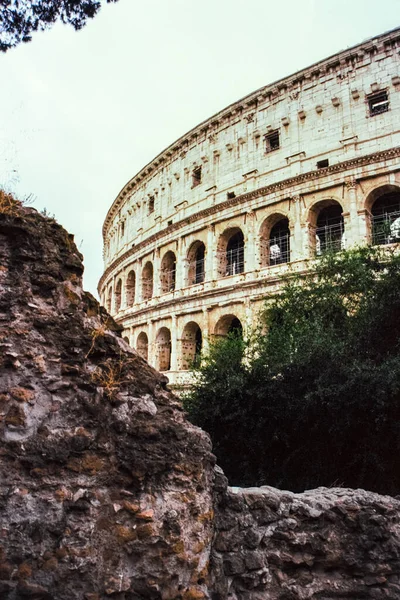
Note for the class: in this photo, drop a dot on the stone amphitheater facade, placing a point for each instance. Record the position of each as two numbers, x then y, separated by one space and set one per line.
201 236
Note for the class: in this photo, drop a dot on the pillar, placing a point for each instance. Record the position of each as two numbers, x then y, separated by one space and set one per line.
174 344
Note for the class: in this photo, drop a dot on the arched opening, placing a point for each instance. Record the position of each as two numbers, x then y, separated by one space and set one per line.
228 324
109 299
163 349
142 345
191 345
147 281
168 272
196 267
275 241
118 295
130 288
231 253
329 227
385 217
126 339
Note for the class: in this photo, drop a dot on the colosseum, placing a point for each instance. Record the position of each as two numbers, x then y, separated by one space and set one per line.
201 236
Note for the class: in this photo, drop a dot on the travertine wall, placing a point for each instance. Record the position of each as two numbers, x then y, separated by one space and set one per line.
247 182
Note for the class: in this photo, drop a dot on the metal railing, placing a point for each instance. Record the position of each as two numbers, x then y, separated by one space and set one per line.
279 250
385 228
168 280
329 238
234 261
196 271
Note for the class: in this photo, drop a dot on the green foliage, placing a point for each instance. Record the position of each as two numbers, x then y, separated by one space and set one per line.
316 401
20 18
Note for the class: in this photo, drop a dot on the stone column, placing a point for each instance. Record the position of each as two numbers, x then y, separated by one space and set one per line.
174 344
156 273
211 254
180 267
350 216
250 249
297 249
124 275
151 349
205 331
138 281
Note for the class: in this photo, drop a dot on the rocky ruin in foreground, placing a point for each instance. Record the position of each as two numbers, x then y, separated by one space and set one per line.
107 491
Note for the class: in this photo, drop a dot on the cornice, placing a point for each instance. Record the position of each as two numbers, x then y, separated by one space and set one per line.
288 85
244 198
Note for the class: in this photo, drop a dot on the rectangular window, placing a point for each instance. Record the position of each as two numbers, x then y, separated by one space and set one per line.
321 164
151 204
272 141
378 103
196 176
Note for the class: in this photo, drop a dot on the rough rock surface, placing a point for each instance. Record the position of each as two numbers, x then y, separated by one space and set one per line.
325 544
106 491
105 488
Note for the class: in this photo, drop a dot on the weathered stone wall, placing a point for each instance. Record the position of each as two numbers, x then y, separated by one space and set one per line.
327 543
105 488
106 491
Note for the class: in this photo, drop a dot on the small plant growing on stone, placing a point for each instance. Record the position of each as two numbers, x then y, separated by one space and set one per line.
9 205
111 375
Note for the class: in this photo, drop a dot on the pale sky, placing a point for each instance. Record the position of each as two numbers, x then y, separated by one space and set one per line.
83 112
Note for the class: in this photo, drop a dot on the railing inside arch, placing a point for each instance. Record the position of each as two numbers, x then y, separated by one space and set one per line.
196 268
329 238
279 250
385 228
234 261
168 280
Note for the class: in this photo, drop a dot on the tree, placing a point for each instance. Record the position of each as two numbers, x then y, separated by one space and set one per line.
20 18
316 400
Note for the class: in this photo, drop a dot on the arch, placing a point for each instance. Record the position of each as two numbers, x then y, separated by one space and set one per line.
130 288
168 272
118 295
191 345
327 227
142 345
109 299
196 262
274 240
147 281
126 339
384 204
231 252
163 349
228 324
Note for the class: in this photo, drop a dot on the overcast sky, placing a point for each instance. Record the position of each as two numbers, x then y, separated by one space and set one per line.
82 112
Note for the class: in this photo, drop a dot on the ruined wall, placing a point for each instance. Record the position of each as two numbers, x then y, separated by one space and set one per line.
329 544
106 491
105 488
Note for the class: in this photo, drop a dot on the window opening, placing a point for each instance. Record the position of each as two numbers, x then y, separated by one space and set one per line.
147 281
385 219
230 195
279 243
321 164
196 176
329 234
272 141
236 327
151 204
142 345
235 255
168 273
378 103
